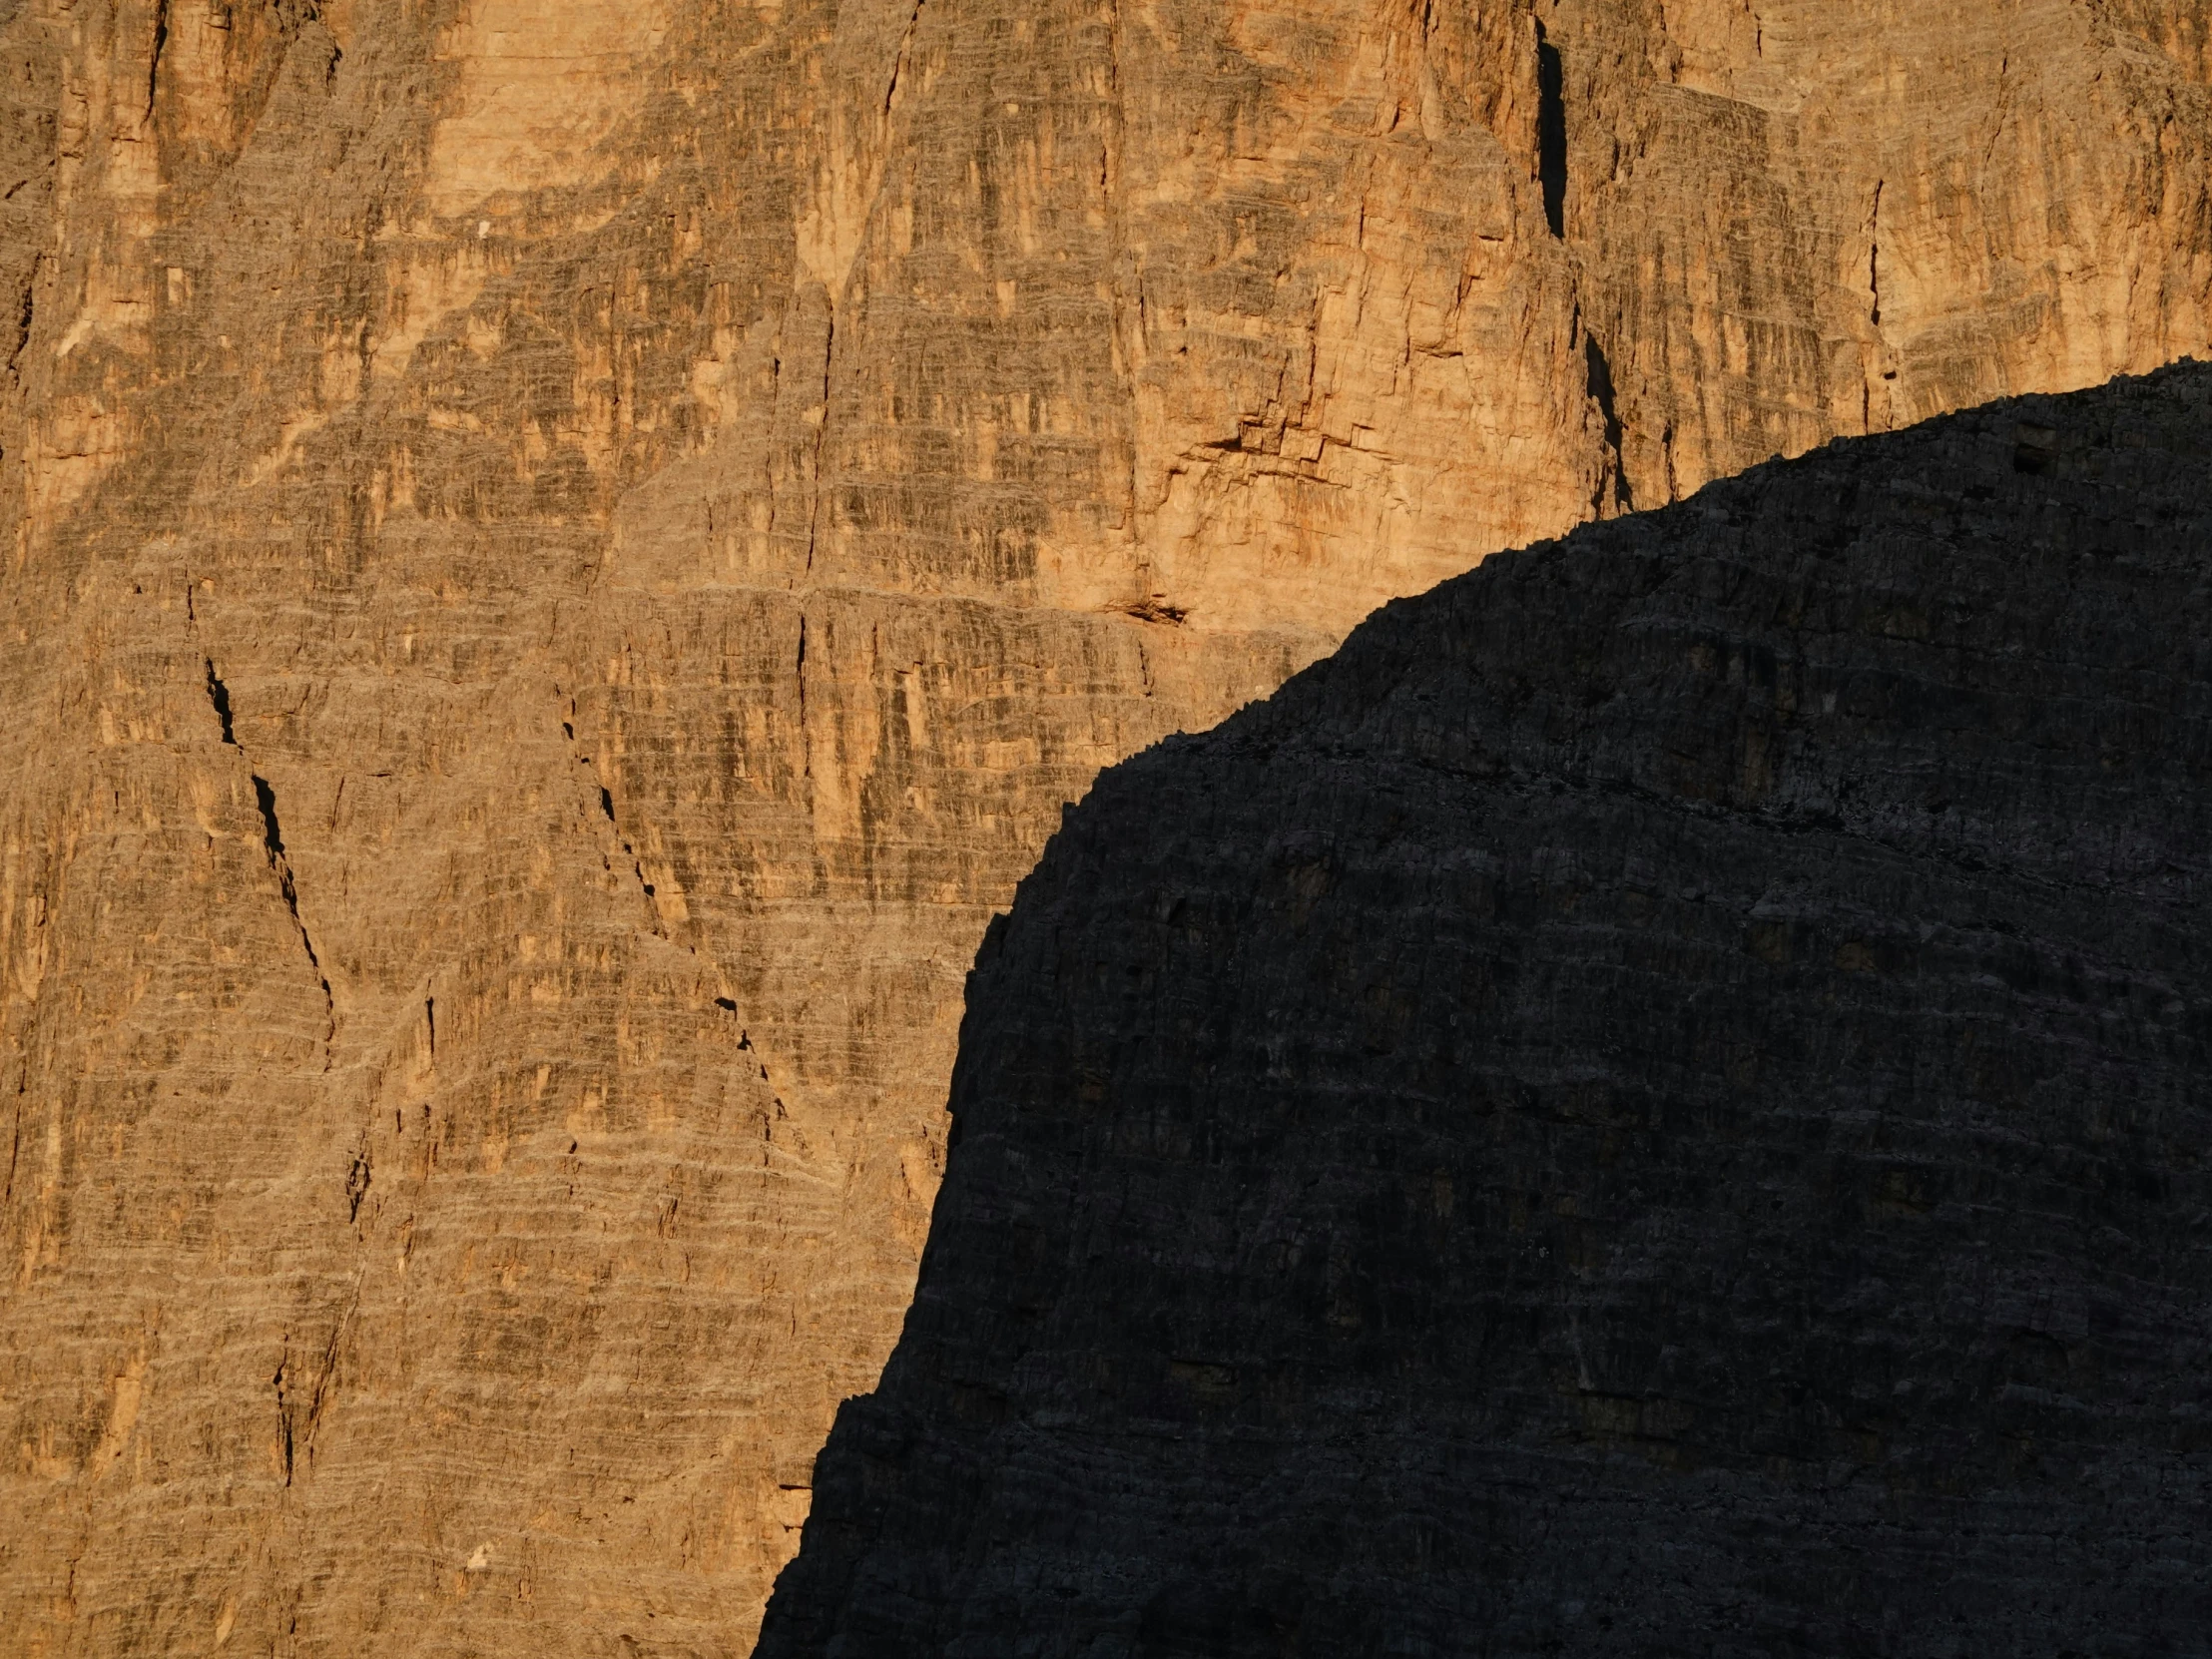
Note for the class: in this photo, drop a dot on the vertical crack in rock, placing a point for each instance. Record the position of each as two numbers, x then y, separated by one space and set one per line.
153 60
1873 255
1600 382
272 842
218 695
299 1420
898 65
1551 133
285 1443
273 837
272 847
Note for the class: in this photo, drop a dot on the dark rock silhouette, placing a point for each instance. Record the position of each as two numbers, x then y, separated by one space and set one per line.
1656 1103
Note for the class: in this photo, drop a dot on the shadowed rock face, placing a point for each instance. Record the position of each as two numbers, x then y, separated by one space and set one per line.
1654 1103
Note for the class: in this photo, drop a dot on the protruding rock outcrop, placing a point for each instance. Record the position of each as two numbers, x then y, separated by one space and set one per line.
1654 1103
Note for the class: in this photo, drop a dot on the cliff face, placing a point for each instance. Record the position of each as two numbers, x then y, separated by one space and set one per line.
1653 1103
566 556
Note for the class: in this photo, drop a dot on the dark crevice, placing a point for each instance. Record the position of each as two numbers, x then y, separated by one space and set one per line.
284 1415
898 68
219 695
1551 133
272 837
324 1377
808 768
272 842
154 67
298 1420
1874 255
1601 389
430 1022
272 845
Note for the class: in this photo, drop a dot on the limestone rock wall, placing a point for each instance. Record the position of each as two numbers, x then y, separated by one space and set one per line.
564 557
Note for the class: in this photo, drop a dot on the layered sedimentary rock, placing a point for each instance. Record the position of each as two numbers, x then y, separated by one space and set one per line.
1653 1103
565 556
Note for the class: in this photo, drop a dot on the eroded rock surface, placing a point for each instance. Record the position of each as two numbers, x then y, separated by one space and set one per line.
1654 1103
565 556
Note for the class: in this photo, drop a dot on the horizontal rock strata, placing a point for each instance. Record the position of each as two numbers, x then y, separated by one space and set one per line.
1655 1103
564 556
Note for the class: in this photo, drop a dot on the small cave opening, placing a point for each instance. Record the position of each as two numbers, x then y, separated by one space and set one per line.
218 695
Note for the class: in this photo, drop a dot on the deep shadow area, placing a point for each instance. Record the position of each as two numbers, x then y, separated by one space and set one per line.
1600 380
1551 133
1654 1104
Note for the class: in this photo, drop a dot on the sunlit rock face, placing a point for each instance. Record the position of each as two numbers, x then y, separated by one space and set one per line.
563 558
1653 1103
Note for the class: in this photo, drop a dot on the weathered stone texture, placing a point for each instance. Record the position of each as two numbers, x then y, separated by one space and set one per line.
1655 1103
565 556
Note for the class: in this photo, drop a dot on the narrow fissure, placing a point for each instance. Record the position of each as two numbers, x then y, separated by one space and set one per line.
273 844
154 67
272 847
272 837
1874 254
283 1414
218 695
291 1430
808 766
899 67
1551 133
